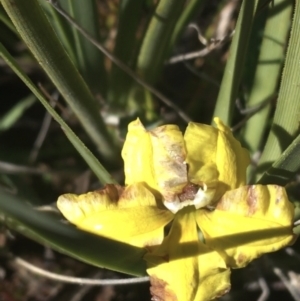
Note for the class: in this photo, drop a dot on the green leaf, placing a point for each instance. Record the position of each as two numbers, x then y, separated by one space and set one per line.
62 29
235 64
37 33
285 167
130 12
126 69
268 69
155 46
90 60
285 124
4 18
90 159
192 8
12 116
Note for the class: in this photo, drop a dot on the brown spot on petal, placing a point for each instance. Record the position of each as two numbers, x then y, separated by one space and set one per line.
157 131
189 192
241 259
252 200
159 290
223 292
113 191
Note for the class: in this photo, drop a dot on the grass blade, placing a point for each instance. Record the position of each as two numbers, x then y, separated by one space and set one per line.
285 125
235 64
268 70
16 112
90 61
62 29
192 8
103 176
120 82
285 167
156 41
34 28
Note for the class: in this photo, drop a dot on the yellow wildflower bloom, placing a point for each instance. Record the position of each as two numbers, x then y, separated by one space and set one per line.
197 181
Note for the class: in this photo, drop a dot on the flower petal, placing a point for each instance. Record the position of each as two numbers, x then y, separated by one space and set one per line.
130 215
183 268
248 222
156 157
201 145
215 157
137 154
232 160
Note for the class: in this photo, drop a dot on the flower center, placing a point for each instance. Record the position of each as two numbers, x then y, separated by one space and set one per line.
192 194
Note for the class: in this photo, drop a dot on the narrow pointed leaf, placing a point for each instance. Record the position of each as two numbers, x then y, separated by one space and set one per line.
90 159
285 125
36 31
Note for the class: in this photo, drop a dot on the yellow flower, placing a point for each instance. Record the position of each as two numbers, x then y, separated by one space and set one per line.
206 160
195 180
